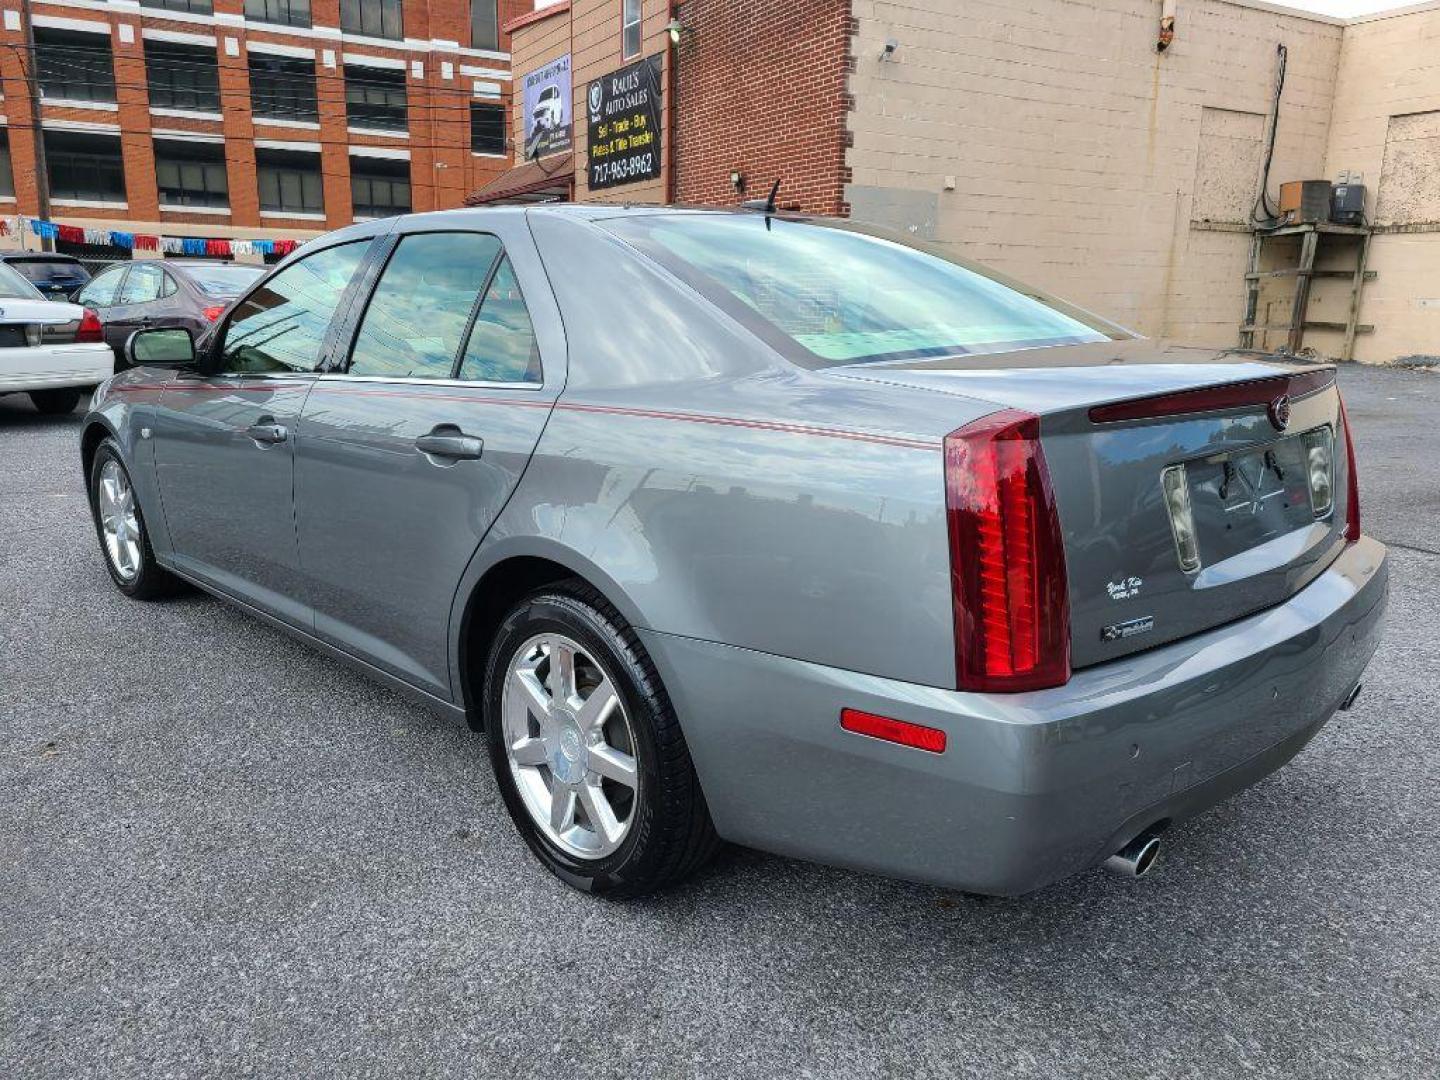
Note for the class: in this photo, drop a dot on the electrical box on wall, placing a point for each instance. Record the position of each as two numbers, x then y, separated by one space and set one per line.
1305 202
1347 204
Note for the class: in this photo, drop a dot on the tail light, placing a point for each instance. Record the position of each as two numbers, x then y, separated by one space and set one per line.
1007 559
213 312
1352 481
90 328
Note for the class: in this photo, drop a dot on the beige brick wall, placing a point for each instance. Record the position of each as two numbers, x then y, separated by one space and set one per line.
1080 155
1386 124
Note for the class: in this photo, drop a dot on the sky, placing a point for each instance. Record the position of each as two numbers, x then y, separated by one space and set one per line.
1344 7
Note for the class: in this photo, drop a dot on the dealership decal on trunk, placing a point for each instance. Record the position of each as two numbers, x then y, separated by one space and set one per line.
1124 589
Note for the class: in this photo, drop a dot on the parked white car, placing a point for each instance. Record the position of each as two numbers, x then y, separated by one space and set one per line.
52 351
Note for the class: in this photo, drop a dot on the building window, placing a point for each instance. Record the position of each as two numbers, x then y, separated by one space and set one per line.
379 187
373 18
630 29
375 98
182 76
484 25
191 173
194 7
487 128
282 89
7 174
289 182
85 166
285 12
74 66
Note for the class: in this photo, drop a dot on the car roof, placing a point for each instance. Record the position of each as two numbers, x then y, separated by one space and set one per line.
37 256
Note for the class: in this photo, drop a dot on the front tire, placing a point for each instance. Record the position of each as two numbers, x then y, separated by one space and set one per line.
587 750
55 402
120 528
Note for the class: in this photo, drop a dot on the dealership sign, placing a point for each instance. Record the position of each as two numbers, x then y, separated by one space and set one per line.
547 109
624 128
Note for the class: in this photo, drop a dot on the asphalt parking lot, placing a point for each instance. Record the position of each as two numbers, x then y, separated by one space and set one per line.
224 855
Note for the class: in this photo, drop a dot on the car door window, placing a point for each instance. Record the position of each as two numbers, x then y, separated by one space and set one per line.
502 344
101 292
281 326
168 286
416 319
142 286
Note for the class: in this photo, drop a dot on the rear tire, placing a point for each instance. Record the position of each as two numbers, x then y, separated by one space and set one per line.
556 766
55 402
120 528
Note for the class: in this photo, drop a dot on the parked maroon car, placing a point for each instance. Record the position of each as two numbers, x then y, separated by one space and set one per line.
154 292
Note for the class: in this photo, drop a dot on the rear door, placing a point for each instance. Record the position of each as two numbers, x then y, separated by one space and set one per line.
134 307
410 448
225 433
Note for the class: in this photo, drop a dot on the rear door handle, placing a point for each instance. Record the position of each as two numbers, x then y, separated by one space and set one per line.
267 433
451 443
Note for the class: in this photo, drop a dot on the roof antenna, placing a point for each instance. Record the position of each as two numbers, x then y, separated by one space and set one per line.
768 203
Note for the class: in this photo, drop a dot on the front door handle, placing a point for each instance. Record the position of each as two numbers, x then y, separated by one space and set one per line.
449 442
267 432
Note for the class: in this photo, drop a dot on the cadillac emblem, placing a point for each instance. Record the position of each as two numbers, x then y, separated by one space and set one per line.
1280 412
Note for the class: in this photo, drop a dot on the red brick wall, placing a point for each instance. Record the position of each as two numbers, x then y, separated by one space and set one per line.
761 88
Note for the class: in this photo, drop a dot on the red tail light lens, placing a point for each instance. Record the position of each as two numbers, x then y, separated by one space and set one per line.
90 328
214 312
1352 481
1007 559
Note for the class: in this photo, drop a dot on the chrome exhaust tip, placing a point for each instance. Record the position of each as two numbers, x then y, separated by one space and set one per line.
1349 701
1136 858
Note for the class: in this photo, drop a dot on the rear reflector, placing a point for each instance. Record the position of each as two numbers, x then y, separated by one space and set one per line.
896 731
1007 559
1241 395
90 328
1352 481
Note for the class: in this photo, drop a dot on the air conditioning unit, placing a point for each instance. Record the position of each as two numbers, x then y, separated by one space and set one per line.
1305 202
1347 204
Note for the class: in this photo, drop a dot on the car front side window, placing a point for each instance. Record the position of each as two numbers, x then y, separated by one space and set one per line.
281 326
101 292
417 318
142 286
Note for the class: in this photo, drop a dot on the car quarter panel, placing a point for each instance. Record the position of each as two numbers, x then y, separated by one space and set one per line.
124 407
726 494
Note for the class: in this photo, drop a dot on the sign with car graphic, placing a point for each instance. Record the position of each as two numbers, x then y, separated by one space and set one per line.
546 97
624 125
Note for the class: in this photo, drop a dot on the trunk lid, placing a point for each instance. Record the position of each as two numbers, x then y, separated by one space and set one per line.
1260 532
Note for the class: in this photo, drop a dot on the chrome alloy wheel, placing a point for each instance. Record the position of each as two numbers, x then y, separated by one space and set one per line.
570 746
118 520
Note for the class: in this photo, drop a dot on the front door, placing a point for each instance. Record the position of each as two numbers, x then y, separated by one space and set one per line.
409 450
225 435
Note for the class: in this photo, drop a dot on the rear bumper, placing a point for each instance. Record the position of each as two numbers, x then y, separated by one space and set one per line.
1032 787
45 367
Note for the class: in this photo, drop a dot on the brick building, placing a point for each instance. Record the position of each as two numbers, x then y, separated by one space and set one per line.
252 118
1051 140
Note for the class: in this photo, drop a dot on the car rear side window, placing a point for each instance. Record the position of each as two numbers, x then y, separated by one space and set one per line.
502 345
825 294
423 305
281 326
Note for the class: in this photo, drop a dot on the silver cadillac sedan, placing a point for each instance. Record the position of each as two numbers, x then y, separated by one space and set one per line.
777 530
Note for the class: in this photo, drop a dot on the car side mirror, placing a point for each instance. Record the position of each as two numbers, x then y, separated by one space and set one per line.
164 346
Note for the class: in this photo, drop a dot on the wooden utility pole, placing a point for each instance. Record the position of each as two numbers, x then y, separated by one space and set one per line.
31 68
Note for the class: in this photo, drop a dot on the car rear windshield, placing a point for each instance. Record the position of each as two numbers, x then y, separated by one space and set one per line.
827 293
13 286
45 269
223 280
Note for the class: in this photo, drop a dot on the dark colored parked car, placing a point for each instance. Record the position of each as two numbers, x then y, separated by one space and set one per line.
56 276
149 292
